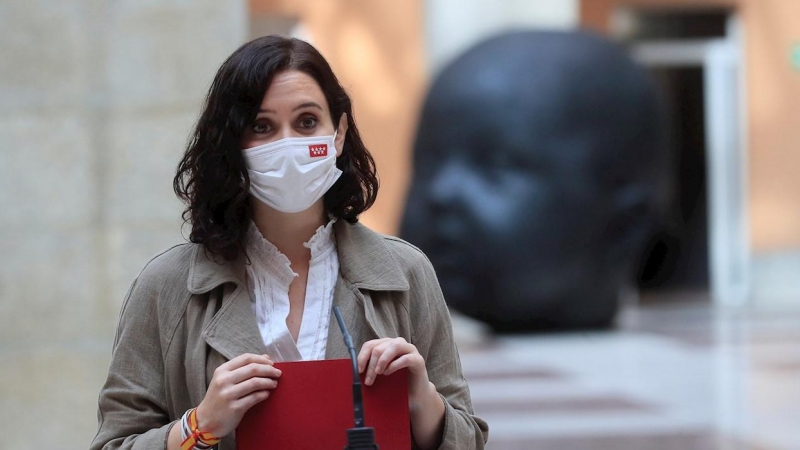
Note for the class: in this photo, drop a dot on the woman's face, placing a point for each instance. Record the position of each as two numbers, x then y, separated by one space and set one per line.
293 106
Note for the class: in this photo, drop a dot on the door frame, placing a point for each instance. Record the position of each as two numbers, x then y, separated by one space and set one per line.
726 152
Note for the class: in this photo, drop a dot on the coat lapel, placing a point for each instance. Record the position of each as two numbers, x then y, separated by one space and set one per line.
366 261
233 330
365 264
354 307
346 300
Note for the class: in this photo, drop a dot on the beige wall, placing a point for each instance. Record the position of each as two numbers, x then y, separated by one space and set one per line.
97 100
772 27
375 48
453 26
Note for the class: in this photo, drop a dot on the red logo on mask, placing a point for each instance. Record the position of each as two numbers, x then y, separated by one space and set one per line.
318 150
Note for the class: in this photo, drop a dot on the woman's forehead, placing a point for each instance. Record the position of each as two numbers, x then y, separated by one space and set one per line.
292 86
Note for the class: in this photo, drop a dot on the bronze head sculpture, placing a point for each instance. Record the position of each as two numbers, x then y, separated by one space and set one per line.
538 168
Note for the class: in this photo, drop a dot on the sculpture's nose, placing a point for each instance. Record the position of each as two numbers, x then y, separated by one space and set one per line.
449 185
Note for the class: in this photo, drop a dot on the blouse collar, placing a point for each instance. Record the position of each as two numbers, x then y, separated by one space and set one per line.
266 256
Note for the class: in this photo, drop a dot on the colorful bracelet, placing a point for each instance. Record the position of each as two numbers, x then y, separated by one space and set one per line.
196 438
186 431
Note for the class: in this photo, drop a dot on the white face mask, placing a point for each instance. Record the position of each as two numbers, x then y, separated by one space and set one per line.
291 174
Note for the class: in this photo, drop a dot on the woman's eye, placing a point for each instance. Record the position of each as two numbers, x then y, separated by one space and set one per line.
260 127
308 122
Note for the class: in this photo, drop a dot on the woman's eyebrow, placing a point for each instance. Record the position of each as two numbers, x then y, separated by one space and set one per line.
300 106
308 105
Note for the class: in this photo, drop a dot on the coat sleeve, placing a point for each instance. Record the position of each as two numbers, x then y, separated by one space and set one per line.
433 337
132 410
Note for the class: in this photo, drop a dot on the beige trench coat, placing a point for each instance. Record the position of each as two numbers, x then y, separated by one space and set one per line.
185 315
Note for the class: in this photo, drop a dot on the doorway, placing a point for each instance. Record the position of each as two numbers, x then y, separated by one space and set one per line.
694 58
677 256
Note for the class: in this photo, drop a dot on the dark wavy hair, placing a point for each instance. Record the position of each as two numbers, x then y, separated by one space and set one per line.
212 178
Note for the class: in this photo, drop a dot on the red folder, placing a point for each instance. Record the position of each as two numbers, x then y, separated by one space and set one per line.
312 408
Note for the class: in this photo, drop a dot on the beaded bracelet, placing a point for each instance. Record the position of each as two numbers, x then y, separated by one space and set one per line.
196 438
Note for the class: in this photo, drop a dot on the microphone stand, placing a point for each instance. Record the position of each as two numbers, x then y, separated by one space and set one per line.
359 437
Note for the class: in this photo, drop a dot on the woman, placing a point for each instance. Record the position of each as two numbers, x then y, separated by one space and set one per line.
274 179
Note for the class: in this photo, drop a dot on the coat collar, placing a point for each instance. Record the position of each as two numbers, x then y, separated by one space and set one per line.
364 260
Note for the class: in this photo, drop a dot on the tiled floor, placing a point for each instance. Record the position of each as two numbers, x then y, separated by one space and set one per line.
676 376
673 376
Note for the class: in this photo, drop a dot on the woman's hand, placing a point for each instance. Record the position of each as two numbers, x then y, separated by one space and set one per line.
386 356
235 387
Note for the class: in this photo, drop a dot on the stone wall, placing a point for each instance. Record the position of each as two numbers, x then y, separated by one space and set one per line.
97 99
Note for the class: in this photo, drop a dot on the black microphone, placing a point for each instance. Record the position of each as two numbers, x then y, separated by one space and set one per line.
360 437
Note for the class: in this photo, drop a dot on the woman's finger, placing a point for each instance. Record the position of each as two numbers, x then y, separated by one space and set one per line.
382 355
394 350
408 360
243 360
374 355
366 352
251 385
253 370
250 400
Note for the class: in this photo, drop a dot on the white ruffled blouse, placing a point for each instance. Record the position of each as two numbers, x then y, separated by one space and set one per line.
269 275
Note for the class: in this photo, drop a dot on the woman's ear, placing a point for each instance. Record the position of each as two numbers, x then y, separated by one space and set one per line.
341 132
